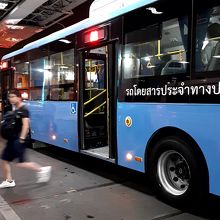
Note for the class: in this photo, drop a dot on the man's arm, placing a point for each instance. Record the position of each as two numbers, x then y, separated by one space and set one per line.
24 129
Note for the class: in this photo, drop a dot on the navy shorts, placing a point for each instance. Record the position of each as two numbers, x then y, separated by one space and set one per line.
14 150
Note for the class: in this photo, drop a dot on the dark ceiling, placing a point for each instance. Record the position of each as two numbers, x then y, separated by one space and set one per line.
23 21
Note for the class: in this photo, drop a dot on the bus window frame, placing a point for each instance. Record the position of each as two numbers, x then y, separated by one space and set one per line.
198 8
172 78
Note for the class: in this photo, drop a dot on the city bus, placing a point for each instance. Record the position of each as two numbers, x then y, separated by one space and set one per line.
136 84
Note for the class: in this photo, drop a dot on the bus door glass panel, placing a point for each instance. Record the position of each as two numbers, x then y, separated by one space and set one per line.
95 106
6 86
7 79
39 77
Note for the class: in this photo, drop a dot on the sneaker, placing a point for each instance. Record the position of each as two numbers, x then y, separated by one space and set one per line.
7 184
44 175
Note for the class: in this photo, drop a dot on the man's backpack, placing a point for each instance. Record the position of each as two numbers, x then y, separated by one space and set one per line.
8 125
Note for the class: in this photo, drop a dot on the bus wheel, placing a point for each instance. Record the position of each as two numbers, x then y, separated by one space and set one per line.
176 171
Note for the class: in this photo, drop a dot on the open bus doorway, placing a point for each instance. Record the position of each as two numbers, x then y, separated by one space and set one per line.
6 85
95 123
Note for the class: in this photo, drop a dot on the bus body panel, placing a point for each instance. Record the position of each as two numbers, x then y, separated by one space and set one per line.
200 121
55 123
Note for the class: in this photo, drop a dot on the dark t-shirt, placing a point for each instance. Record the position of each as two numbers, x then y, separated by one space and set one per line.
20 113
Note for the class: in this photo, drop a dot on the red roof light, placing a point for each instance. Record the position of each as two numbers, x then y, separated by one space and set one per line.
94 36
4 65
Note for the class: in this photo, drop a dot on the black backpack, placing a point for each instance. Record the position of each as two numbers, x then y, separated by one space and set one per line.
8 125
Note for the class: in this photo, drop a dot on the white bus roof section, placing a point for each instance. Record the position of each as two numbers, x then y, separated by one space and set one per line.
100 11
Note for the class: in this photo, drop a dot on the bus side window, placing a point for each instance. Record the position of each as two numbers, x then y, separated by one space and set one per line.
21 76
153 50
212 49
208 40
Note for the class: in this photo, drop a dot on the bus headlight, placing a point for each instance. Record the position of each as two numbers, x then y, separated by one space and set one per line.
129 156
54 137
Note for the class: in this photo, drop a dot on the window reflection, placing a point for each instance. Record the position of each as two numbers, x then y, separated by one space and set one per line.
208 40
38 70
156 50
62 75
39 79
21 75
49 78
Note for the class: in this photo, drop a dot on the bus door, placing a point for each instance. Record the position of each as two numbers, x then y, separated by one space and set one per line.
95 105
6 85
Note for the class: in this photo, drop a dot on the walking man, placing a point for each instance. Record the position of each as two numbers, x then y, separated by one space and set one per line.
16 146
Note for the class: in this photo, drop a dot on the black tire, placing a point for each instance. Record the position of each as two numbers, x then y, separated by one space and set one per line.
177 172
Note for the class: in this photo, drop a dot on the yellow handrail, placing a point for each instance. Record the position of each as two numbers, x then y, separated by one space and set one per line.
94 89
169 53
94 97
86 115
158 49
214 38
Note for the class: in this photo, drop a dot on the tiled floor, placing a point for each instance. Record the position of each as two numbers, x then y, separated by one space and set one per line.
79 189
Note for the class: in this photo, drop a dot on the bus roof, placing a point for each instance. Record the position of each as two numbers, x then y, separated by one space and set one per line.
100 11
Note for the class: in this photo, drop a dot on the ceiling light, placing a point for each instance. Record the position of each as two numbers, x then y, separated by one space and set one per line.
184 62
64 67
154 11
3 5
15 39
147 58
12 39
13 21
15 27
65 41
14 10
217 56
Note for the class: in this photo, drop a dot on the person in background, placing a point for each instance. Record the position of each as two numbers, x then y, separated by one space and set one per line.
6 105
208 50
101 76
16 146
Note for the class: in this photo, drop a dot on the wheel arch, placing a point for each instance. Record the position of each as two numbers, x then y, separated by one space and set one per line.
176 132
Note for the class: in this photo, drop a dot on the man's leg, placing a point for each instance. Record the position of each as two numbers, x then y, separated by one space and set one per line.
8 182
30 165
6 170
43 173
21 155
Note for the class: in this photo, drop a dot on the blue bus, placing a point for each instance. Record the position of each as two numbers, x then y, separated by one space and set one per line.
136 84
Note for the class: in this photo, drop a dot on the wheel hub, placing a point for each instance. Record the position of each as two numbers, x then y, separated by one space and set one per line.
182 170
173 172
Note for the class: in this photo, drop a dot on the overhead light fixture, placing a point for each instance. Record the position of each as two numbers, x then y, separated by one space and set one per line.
3 5
147 58
154 11
12 39
64 67
217 56
183 62
65 41
14 10
13 21
15 27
